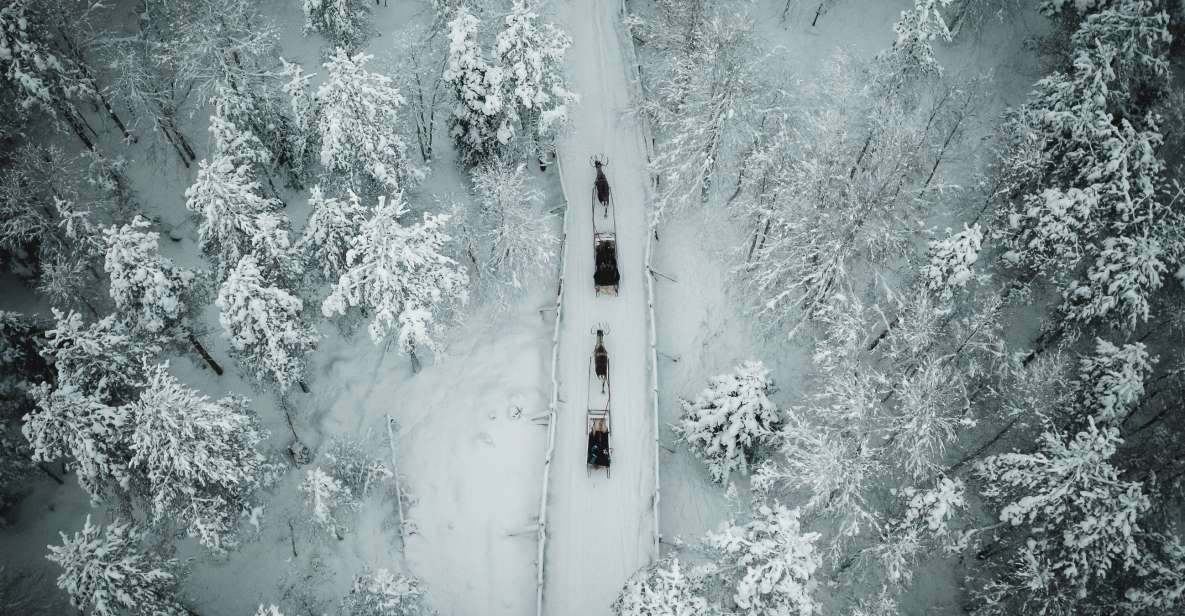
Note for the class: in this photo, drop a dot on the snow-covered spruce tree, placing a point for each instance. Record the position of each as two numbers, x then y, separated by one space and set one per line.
1111 380
1081 173
664 590
511 239
106 572
264 325
21 363
1078 520
482 124
236 219
326 497
399 272
911 57
770 563
346 23
149 291
300 148
197 459
951 260
730 420
383 593
532 55
1161 587
332 224
36 72
358 115
89 436
103 359
268 610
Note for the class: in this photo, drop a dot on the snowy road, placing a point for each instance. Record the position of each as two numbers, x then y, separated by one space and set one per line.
601 528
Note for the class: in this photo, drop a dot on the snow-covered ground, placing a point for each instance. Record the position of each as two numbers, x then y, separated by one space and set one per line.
601 527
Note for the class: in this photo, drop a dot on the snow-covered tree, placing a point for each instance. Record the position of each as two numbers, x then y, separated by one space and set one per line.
148 290
106 572
346 23
532 55
483 123
1111 380
731 419
664 590
37 74
1162 581
909 538
708 104
197 458
268 610
360 125
1120 282
383 593
79 429
510 238
951 260
1081 519
911 56
332 224
326 497
103 358
356 470
236 219
772 562
844 199
399 272
264 325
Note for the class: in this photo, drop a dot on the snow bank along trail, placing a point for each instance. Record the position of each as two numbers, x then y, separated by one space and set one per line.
601 528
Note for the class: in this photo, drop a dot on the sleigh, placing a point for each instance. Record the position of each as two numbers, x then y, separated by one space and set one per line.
597 420
606 276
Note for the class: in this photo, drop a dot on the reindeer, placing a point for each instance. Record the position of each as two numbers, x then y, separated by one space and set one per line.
601 185
601 360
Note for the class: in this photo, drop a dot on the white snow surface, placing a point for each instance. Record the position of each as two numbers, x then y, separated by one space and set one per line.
601 526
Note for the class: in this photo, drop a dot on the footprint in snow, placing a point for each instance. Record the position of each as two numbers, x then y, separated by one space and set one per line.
485 438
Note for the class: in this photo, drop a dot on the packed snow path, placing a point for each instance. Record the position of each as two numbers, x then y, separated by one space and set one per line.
601 529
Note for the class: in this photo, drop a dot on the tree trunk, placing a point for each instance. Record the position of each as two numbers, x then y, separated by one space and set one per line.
303 386
45 469
292 539
975 454
201 350
818 12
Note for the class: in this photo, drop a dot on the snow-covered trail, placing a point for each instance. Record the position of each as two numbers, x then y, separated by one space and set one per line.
601 528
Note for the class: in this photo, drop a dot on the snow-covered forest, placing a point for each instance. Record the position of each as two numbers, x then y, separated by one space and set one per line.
296 314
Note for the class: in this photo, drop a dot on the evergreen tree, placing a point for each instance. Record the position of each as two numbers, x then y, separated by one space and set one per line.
236 219
663 590
264 325
400 273
102 359
346 23
332 224
482 126
197 458
532 54
148 290
106 573
730 420
79 429
1081 519
771 562
361 129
